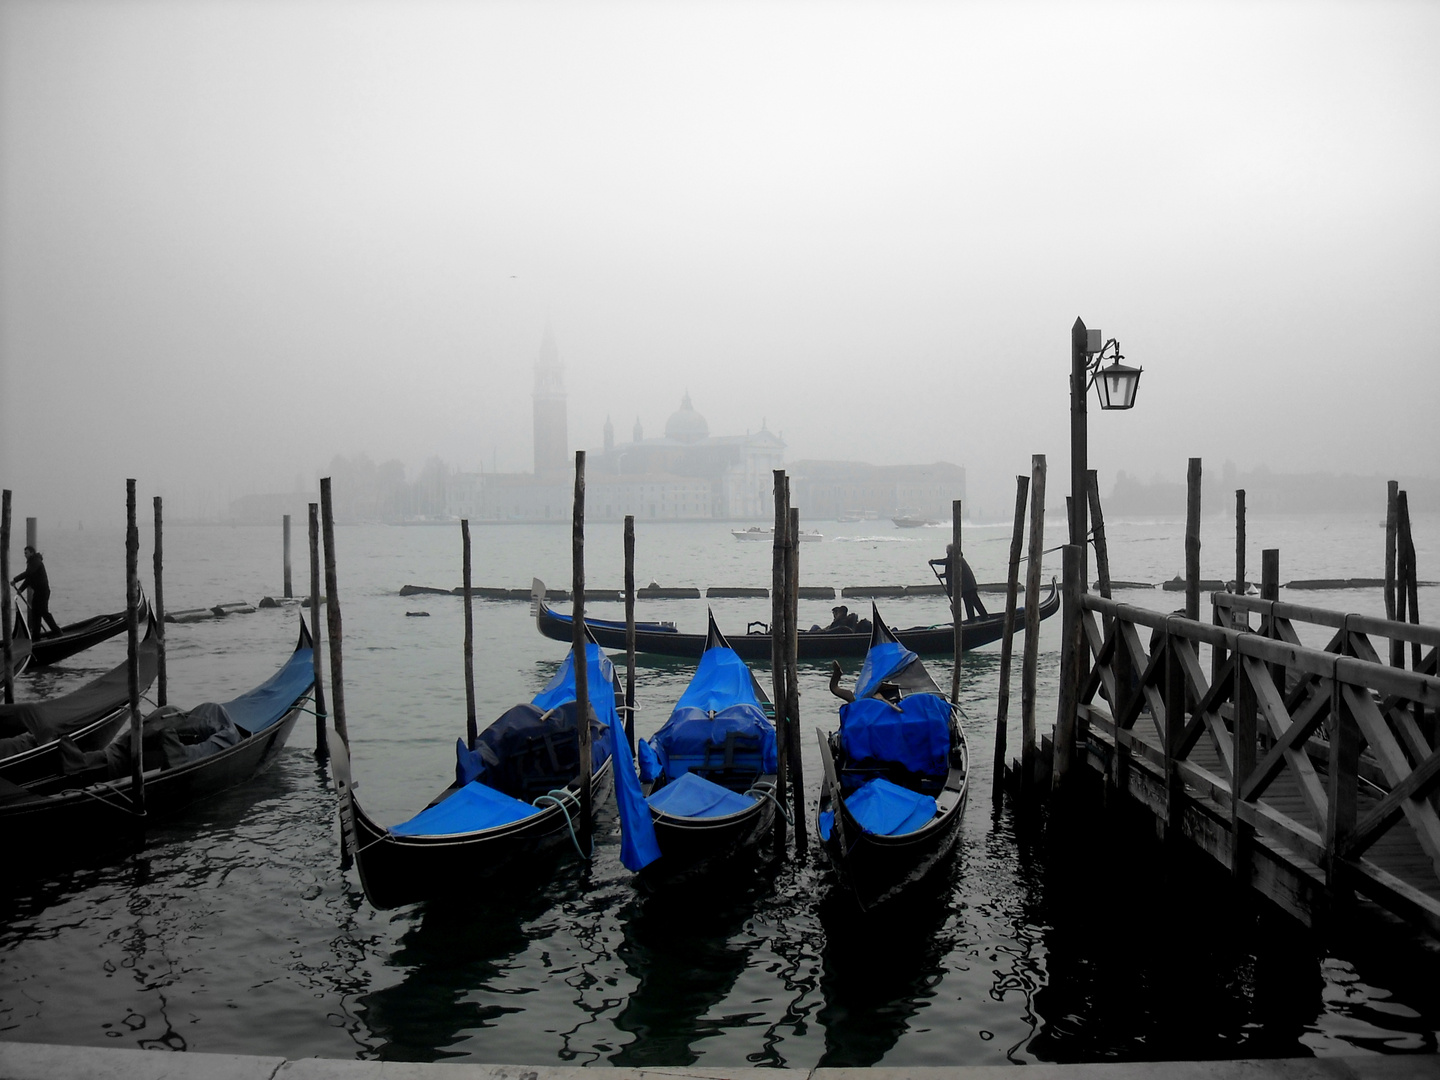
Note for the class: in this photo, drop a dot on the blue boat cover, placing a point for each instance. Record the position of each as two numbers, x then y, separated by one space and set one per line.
719 700
885 809
914 734
267 703
694 796
600 684
472 808
882 661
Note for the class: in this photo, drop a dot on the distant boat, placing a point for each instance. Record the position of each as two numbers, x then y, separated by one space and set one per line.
756 534
912 521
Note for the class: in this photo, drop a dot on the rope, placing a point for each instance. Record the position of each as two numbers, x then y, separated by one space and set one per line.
558 797
768 792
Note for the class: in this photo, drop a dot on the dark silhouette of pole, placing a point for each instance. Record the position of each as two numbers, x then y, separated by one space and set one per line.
1029 663
1007 640
289 592
332 615
8 657
471 729
322 747
779 594
630 630
1079 446
577 645
162 692
32 532
956 588
132 663
1192 540
792 675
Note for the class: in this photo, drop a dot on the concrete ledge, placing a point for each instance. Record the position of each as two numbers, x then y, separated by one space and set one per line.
37 1061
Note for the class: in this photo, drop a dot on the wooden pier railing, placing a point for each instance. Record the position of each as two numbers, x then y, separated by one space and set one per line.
1310 772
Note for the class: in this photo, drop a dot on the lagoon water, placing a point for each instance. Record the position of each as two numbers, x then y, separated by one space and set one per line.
236 930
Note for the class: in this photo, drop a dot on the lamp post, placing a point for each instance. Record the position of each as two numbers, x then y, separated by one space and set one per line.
1115 386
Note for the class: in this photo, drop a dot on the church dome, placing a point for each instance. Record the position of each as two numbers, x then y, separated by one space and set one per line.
686 425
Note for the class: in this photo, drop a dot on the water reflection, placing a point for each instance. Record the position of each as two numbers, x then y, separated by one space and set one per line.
685 946
881 968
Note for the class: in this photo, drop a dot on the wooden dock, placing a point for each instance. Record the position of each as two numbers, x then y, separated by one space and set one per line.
1311 774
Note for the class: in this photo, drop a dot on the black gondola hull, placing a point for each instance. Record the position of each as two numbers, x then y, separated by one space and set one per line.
102 815
691 846
399 870
811 645
77 637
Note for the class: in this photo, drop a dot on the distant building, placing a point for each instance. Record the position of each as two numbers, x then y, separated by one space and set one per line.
551 434
830 489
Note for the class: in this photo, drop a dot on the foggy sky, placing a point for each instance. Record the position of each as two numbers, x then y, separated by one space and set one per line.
237 239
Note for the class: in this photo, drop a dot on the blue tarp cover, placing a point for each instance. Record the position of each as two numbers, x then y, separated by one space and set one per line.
472 808
887 809
268 702
721 685
881 661
694 796
915 735
600 684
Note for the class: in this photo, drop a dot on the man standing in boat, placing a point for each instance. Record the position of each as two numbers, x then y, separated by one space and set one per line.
35 578
969 591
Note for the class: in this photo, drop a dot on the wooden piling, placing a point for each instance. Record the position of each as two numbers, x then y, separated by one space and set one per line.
1192 540
1240 585
335 633
779 595
7 654
1270 590
1069 696
289 592
1246 717
1406 543
1028 665
471 729
1392 494
161 678
792 674
1007 640
1097 537
322 746
32 532
132 661
630 630
956 610
578 651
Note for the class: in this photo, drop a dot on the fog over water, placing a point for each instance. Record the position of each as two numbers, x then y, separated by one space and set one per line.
239 239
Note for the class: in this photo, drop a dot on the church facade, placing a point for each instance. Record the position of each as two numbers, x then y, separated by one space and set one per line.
686 474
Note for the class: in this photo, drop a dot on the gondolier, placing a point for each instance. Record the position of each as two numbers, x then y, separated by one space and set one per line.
36 579
969 591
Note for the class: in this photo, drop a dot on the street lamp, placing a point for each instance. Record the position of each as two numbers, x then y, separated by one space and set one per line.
1115 386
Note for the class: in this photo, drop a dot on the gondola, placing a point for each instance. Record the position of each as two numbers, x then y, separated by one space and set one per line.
664 640
77 637
31 731
19 649
711 768
187 756
895 775
512 806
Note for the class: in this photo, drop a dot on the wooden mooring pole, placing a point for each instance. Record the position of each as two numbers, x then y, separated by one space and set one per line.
578 650
161 678
1007 640
1240 585
7 655
289 592
630 630
132 658
1392 496
322 746
1070 675
32 532
1028 748
334 631
779 605
792 675
1406 543
957 560
471 728
1192 540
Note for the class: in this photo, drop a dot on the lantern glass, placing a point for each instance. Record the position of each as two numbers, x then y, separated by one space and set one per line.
1116 386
